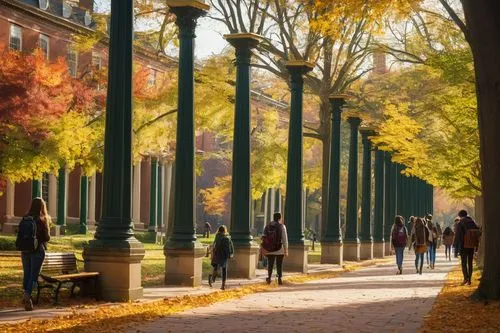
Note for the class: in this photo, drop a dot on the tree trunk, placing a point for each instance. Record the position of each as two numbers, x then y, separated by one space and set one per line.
484 27
325 132
478 217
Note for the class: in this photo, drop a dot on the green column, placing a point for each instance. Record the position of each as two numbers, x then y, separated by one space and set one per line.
294 185
159 205
115 227
351 234
412 196
431 199
366 198
153 196
115 248
379 214
61 197
399 192
394 192
240 194
84 203
36 188
333 233
184 233
389 212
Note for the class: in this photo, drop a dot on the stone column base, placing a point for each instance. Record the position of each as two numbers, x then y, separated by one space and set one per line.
352 251
243 264
379 250
388 251
366 251
332 253
183 267
297 258
120 266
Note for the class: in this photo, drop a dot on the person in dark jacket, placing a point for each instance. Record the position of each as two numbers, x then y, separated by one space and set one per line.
466 254
399 239
32 261
456 243
419 239
222 250
448 238
433 240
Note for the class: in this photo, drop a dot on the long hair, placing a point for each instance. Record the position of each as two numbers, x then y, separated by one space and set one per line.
38 210
222 230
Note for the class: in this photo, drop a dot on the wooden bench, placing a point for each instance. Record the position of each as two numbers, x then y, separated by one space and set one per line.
59 269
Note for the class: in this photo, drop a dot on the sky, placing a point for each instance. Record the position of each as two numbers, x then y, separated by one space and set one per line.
209 33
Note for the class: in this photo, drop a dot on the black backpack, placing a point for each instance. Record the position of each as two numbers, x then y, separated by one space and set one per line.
26 240
271 240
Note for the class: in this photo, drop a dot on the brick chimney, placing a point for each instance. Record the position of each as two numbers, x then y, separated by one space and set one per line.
87 4
379 62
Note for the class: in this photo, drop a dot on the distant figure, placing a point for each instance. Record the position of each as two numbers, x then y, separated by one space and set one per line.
419 239
313 236
399 239
207 229
433 240
275 247
468 235
411 224
448 238
222 250
31 240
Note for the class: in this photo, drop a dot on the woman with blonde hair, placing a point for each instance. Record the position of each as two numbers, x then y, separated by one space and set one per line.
32 237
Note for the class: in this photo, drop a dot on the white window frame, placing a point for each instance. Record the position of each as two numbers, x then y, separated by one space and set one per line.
12 34
46 39
95 65
75 72
153 77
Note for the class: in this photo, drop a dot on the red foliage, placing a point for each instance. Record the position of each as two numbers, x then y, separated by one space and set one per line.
32 89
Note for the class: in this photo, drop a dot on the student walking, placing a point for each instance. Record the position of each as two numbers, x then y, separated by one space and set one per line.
448 238
32 237
433 240
399 240
275 247
419 240
456 242
222 250
468 235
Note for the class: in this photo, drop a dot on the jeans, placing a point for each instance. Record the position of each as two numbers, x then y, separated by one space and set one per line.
32 265
419 258
467 255
447 251
399 256
279 265
432 253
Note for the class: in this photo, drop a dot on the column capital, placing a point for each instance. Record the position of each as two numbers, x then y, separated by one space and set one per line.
338 101
244 40
299 67
354 121
187 13
367 132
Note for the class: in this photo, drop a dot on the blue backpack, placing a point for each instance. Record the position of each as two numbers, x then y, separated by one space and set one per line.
26 240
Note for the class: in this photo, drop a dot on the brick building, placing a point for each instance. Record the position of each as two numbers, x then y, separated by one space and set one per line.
50 25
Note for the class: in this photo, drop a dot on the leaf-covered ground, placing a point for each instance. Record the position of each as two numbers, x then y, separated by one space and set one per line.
454 311
113 318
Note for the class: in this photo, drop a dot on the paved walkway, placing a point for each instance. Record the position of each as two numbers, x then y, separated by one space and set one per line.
372 299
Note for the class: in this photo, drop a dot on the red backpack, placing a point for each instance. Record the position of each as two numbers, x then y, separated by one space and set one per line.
399 236
271 239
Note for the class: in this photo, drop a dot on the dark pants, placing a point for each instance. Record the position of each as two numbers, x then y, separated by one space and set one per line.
467 255
32 264
447 251
279 265
223 271
419 261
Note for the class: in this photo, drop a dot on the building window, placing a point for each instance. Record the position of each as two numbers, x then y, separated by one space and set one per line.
96 61
153 74
44 45
16 38
72 62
